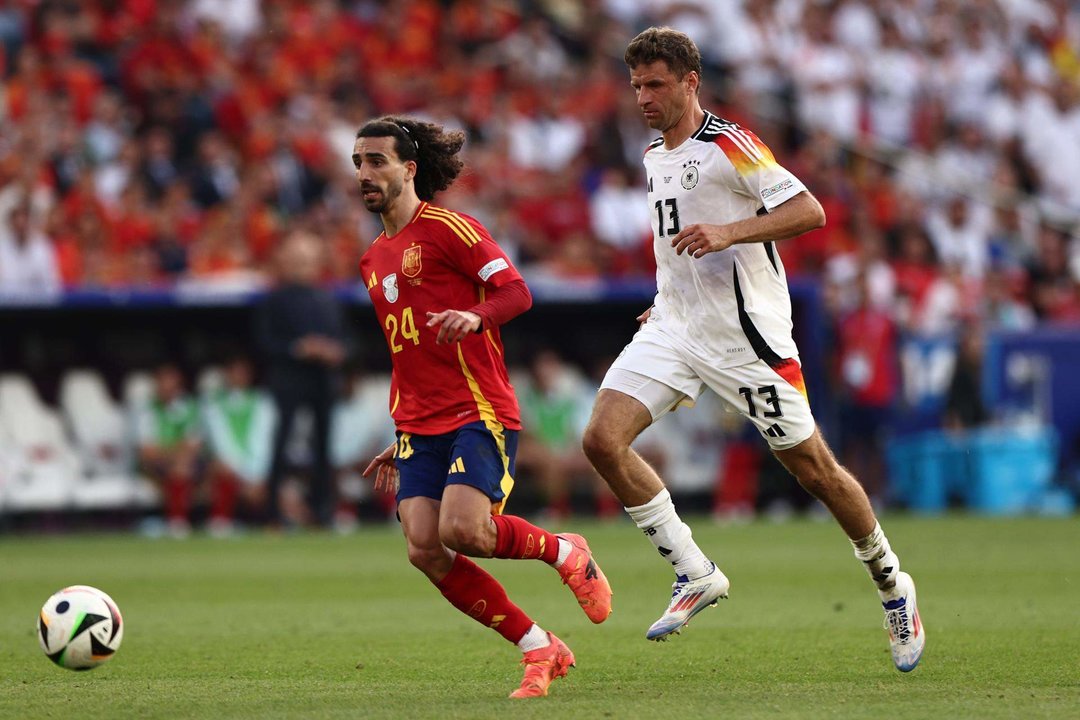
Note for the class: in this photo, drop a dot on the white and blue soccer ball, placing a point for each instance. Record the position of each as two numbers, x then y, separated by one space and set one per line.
80 627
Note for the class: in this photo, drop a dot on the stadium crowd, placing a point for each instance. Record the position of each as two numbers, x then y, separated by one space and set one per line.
150 142
163 143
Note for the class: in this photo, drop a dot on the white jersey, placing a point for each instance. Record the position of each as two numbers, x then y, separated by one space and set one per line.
730 306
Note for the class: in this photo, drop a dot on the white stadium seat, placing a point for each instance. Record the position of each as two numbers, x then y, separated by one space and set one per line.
42 468
97 423
102 434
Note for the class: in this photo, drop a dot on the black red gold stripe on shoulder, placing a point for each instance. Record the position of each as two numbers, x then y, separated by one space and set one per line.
455 222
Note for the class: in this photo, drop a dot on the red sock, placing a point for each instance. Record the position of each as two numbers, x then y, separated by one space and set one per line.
223 502
474 592
518 539
177 497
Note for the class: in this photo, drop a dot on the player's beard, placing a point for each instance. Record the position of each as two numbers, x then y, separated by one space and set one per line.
386 196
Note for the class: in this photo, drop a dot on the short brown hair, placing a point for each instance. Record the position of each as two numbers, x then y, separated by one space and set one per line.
663 43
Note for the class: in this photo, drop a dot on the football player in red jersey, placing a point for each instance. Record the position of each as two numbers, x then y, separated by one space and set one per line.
441 288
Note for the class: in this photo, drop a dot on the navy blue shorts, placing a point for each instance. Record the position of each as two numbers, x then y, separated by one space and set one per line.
474 454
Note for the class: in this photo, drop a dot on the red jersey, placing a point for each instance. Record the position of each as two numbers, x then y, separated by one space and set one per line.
441 260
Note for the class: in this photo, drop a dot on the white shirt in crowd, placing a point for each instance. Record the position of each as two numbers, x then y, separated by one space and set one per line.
28 269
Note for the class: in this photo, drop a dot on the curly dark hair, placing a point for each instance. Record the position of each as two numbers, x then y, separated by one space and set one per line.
667 44
432 147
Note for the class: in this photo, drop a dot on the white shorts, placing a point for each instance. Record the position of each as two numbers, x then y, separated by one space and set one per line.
662 375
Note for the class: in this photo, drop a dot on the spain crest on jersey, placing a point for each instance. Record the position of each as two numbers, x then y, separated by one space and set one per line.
410 261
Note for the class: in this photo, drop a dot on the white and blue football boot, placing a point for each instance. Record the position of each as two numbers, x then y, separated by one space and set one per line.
907 637
688 598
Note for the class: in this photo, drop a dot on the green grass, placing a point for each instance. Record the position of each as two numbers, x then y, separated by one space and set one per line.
341 627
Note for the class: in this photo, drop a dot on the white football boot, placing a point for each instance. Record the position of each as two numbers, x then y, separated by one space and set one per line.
688 598
906 634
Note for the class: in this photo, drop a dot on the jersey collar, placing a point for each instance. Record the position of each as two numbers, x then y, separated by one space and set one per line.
419 209
709 117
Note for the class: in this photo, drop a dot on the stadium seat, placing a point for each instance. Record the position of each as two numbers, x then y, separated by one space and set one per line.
96 421
119 491
100 431
42 467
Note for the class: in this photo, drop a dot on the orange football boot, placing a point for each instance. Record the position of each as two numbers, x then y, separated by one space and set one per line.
586 580
542 666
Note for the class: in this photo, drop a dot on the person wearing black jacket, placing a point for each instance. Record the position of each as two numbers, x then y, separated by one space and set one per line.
299 329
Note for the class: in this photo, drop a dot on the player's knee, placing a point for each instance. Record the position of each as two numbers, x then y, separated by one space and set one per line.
426 559
464 536
600 446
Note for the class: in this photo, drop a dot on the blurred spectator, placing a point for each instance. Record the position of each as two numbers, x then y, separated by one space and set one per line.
553 399
960 233
866 353
964 406
28 266
825 75
215 178
158 168
621 221
169 440
893 76
1053 292
300 331
917 273
239 421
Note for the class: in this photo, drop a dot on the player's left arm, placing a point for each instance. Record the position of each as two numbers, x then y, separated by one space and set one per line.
794 216
482 261
503 304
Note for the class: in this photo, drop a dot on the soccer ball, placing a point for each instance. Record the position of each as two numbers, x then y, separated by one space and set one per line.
80 627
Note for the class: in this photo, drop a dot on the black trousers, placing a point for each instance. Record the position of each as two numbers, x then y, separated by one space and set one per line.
319 399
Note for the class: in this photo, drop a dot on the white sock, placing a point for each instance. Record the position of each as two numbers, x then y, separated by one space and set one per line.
533 639
880 561
671 536
564 552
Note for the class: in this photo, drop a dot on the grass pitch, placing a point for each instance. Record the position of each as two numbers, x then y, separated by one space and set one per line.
323 626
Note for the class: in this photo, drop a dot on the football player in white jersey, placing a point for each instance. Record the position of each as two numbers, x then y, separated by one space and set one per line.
722 319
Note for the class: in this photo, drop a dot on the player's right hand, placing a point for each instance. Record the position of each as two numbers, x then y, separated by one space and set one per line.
644 317
386 472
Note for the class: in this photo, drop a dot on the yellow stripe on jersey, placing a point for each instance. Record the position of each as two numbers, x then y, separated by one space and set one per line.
397 399
462 229
487 415
372 281
461 222
449 224
494 345
487 333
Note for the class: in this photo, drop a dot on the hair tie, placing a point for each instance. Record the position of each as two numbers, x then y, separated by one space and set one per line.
415 144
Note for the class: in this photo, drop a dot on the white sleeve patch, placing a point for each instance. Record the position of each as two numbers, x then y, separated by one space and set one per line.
777 188
492 267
